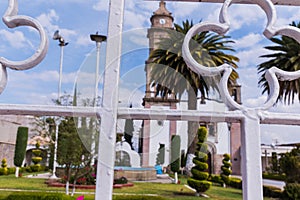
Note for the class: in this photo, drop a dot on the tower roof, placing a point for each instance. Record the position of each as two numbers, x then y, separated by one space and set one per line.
162 10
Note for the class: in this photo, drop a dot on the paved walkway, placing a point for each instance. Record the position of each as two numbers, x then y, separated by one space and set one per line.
274 183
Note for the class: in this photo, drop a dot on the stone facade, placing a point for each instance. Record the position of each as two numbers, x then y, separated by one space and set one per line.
8 131
7 151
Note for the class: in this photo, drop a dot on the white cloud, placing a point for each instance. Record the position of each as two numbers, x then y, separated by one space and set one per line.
134 19
101 5
245 15
16 39
251 57
83 40
49 19
250 40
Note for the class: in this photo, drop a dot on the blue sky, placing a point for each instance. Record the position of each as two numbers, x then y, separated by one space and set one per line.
77 19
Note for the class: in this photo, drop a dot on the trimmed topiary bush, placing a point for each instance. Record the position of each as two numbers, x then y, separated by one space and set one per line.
21 144
198 181
4 169
175 153
226 171
36 159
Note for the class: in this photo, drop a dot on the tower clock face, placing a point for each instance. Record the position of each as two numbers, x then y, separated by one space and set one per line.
162 21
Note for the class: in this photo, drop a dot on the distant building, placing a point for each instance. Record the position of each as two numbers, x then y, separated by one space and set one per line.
268 150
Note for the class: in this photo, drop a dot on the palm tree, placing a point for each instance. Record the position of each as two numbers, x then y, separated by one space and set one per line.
287 58
170 74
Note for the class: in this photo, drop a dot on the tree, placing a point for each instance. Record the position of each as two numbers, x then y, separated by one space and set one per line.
199 179
128 132
175 155
274 162
71 151
226 171
20 148
170 74
160 159
286 57
290 165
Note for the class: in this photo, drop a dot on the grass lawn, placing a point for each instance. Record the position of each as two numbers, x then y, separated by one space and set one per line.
168 191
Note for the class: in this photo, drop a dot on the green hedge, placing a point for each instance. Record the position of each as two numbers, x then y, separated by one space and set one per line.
236 183
38 196
270 191
137 197
216 179
278 177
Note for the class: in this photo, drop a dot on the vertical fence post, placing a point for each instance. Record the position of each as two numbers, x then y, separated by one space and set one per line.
251 158
107 138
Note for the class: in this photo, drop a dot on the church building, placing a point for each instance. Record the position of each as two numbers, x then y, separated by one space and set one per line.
222 137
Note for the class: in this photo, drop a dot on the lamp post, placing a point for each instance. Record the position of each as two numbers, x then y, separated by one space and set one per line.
98 39
62 44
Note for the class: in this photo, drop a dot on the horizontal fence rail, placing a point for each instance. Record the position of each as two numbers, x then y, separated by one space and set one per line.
147 114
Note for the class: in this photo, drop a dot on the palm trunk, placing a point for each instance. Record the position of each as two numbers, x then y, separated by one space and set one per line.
192 126
192 131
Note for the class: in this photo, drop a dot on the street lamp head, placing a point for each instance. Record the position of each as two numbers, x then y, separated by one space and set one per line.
58 37
98 38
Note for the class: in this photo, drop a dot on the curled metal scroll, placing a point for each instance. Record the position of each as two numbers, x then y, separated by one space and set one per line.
272 75
13 20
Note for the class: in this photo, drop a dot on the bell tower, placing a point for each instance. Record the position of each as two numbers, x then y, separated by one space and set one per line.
161 23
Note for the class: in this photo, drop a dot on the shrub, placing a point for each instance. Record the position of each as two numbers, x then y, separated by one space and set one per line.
121 180
175 153
289 165
137 197
4 169
236 183
278 177
38 196
270 191
1 171
292 191
199 179
36 152
216 179
21 144
11 170
226 171
36 160
160 159
35 168
200 186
